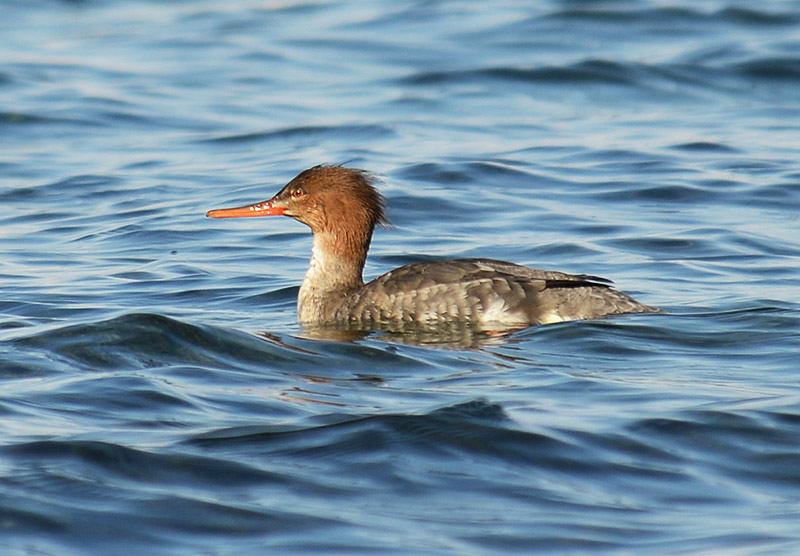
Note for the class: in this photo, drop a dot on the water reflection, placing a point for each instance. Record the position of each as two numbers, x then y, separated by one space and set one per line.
450 335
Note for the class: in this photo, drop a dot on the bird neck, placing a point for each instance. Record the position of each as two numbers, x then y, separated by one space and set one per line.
337 261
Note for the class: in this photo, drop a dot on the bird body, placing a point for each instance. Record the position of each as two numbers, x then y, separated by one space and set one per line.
342 208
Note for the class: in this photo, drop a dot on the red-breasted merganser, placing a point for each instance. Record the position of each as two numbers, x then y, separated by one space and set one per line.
342 207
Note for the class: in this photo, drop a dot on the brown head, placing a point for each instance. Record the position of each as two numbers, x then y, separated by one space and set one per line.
337 203
323 197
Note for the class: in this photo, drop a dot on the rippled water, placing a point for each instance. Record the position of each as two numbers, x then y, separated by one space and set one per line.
159 397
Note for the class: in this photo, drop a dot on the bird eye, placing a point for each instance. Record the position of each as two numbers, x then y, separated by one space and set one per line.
298 193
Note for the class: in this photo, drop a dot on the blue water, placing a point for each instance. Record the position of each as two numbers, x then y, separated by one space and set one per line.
158 396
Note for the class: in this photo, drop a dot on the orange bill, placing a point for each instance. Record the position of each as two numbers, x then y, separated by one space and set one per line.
259 209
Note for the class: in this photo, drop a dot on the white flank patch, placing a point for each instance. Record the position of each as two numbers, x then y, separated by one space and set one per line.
551 317
497 311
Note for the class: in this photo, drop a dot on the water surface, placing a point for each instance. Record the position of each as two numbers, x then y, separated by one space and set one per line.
159 397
